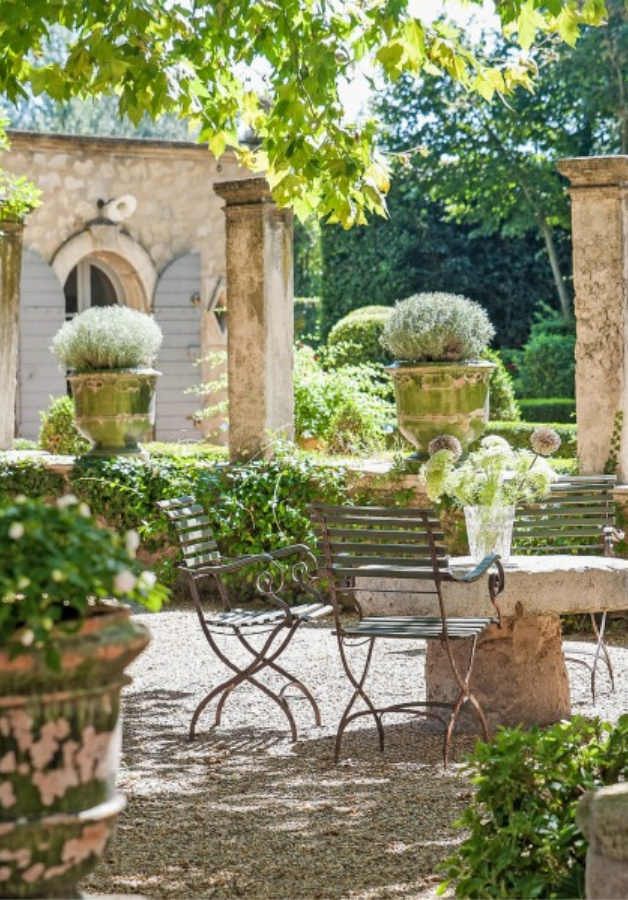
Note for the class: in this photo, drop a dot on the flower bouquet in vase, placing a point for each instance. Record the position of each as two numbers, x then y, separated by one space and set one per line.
490 483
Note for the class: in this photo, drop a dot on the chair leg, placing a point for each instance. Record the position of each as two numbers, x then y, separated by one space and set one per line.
465 695
257 664
601 652
359 691
291 681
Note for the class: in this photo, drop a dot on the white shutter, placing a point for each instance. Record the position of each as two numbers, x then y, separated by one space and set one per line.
42 313
180 321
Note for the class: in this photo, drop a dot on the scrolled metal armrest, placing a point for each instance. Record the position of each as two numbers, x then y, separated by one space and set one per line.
481 569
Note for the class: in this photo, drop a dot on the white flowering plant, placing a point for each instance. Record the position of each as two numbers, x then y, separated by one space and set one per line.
56 562
492 475
107 337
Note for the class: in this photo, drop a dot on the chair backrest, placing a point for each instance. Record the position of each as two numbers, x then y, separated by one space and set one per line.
194 533
572 519
377 542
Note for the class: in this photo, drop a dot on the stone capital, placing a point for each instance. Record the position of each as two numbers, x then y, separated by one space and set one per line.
247 192
595 171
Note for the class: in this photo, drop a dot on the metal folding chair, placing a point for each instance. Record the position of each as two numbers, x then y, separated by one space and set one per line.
276 625
360 543
578 517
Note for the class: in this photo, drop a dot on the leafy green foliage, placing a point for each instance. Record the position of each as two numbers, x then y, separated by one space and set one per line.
522 839
437 327
518 435
548 409
307 320
357 338
58 433
107 337
29 477
346 407
53 560
611 464
547 366
195 60
503 404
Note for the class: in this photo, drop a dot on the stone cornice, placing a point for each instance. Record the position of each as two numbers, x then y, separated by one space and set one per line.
97 144
246 192
595 171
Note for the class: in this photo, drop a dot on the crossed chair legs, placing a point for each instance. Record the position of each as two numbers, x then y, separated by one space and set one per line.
262 658
420 707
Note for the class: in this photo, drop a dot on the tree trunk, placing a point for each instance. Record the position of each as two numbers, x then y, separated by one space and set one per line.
10 274
563 294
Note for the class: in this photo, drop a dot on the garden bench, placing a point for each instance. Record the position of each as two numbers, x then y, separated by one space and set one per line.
276 624
578 517
407 544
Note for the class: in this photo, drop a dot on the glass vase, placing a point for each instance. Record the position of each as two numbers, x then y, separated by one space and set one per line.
489 529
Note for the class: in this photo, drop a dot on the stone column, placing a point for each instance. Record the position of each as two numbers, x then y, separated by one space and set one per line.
599 211
260 317
10 273
603 818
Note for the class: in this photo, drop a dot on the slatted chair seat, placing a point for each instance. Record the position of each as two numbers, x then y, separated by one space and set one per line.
577 517
359 543
278 622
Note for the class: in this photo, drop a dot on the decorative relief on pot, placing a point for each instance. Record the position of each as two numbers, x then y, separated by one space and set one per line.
127 386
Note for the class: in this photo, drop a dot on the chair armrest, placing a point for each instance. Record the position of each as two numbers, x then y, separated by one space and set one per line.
227 566
496 580
479 570
612 536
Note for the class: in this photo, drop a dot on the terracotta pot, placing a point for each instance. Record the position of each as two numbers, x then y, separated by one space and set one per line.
441 398
59 746
115 409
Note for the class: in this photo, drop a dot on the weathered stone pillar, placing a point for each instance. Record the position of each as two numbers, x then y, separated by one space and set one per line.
10 273
603 818
599 212
260 317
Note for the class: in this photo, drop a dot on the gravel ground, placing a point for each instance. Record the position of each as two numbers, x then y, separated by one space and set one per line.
243 813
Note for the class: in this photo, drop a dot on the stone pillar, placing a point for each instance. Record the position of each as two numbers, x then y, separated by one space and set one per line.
603 818
10 274
599 211
260 317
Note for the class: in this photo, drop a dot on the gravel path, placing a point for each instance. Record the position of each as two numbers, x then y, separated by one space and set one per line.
243 813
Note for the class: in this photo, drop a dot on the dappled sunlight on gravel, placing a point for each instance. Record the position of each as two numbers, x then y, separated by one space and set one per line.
243 813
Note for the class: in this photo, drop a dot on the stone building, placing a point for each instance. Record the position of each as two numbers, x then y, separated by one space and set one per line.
122 221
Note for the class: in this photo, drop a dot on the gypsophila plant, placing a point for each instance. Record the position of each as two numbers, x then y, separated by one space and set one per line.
437 327
107 337
494 474
54 562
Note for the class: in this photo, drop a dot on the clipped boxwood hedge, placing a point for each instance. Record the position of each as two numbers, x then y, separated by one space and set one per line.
550 409
518 435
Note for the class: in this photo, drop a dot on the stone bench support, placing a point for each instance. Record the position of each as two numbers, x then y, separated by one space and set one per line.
603 818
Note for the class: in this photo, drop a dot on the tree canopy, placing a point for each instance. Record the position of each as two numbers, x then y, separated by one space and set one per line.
197 60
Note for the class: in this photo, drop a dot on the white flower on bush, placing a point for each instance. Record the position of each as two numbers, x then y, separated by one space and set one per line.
124 582
16 530
148 579
67 500
84 510
27 637
57 575
131 542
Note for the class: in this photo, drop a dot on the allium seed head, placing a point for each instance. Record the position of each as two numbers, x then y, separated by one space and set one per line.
445 442
544 441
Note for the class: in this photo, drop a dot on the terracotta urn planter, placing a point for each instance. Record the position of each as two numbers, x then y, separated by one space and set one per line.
115 409
441 398
59 745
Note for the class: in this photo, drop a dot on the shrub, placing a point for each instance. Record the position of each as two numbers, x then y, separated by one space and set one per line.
58 433
343 407
550 409
503 404
522 837
307 319
107 337
437 327
357 338
547 363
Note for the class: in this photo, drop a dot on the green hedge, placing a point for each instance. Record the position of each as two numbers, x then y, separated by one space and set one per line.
518 435
551 409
